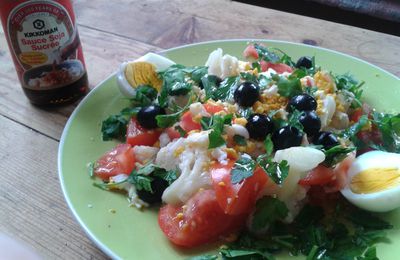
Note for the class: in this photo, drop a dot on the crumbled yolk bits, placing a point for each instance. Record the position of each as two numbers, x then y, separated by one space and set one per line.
324 81
269 103
142 73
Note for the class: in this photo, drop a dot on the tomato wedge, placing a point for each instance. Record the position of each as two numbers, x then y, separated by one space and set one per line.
187 122
212 109
237 198
119 160
250 52
278 67
137 135
321 175
200 220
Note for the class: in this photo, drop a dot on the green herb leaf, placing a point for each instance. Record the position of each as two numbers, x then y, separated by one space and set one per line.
242 169
144 96
180 130
170 176
288 87
141 182
268 145
215 139
240 140
196 73
168 120
266 54
114 127
216 124
336 154
276 171
246 76
347 82
294 119
268 210
389 126
225 90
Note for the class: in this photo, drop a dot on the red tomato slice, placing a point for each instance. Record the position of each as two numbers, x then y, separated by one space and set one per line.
355 116
200 221
187 122
278 67
212 109
119 160
333 179
137 135
321 175
172 133
250 52
237 198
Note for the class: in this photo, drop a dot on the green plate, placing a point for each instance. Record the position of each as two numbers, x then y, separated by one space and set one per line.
132 234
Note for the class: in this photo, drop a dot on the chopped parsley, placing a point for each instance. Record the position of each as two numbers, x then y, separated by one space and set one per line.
114 127
216 124
242 169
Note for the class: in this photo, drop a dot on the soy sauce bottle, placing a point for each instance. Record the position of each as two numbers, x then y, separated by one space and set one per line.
46 49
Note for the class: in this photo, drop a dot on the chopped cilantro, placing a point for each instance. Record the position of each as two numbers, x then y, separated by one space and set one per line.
288 87
168 120
141 182
144 96
389 127
242 169
246 76
348 83
276 171
175 81
266 54
180 130
114 127
225 90
268 210
336 154
216 124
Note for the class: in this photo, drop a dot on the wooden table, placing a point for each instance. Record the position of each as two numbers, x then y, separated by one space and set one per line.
32 206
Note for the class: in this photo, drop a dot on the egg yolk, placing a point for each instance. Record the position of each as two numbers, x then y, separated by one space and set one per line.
142 73
375 179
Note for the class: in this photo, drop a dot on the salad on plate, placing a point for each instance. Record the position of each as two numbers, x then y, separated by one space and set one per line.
262 153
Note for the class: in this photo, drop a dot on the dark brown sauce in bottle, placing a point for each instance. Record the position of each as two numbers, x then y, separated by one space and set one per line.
46 50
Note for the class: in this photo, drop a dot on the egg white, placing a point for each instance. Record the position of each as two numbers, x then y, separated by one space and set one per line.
161 63
381 201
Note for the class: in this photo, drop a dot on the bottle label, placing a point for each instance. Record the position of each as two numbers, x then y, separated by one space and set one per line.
45 43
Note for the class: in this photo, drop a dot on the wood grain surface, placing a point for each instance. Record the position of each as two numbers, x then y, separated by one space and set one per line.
33 208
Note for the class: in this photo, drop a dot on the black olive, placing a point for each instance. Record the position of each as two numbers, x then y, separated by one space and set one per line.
311 122
287 136
326 139
147 116
158 185
302 102
211 80
259 126
305 62
246 94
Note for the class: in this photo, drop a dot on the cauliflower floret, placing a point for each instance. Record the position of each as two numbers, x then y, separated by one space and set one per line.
193 177
222 65
145 153
166 157
220 155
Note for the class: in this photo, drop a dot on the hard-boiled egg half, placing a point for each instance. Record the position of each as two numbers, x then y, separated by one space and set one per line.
142 71
374 181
